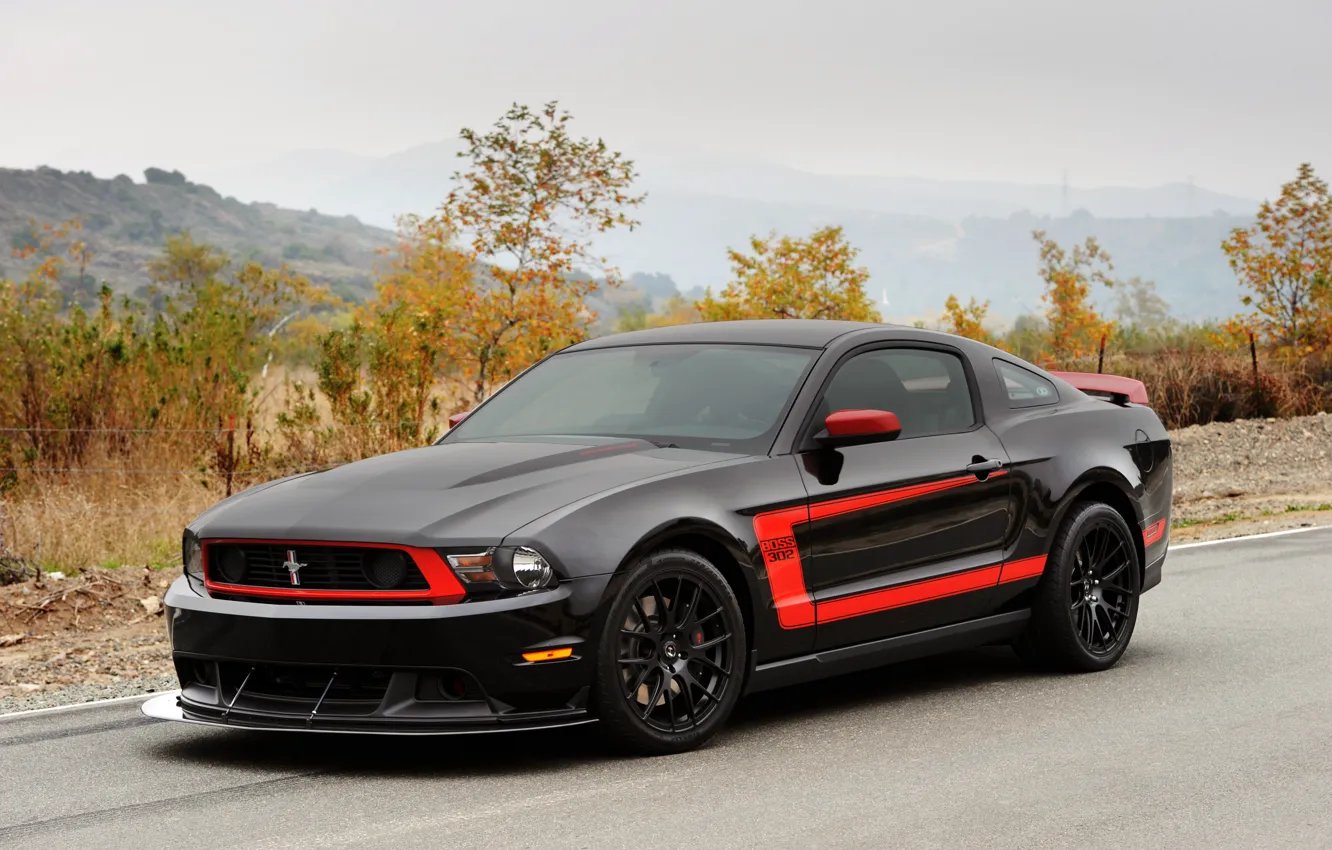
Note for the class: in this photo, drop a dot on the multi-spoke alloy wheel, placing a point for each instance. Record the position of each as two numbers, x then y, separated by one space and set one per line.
1087 602
1101 600
675 653
672 656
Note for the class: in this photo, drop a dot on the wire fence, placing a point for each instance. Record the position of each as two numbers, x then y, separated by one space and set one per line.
228 454
115 470
223 430
93 509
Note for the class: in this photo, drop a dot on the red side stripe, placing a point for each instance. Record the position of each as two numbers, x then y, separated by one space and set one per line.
851 504
776 534
910 594
1025 568
1154 532
781 556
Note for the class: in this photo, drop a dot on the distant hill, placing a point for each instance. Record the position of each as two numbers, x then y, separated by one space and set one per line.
378 189
920 239
125 223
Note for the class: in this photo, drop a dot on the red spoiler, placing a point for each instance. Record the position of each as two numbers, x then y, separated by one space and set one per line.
1118 388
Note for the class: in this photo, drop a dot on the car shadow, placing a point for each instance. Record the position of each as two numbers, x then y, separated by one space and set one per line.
556 750
880 687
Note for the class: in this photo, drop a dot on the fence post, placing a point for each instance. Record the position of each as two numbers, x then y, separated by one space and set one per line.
1100 361
231 449
1253 356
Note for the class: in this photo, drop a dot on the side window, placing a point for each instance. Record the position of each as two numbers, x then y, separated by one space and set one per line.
1024 387
927 389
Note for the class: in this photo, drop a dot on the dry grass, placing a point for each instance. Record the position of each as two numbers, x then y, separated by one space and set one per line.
78 521
127 503
1198 387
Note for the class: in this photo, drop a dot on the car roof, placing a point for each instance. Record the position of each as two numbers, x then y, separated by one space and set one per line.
808 333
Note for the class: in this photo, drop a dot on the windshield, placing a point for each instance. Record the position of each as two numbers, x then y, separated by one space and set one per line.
719 397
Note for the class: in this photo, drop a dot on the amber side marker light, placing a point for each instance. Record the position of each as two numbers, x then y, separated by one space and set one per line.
548 654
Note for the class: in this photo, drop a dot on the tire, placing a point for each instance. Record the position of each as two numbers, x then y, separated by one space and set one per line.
1082 619
671 657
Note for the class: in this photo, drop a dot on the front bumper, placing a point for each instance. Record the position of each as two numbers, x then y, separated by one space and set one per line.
384 668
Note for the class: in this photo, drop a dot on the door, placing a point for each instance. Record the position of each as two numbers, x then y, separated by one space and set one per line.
908 534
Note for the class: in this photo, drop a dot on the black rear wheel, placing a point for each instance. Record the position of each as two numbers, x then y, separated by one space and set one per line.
1087 602
672 655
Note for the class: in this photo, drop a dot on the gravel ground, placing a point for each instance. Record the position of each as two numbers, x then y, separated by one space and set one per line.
100 640
73 694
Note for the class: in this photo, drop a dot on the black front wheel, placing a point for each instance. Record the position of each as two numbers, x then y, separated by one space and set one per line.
1087 602
672 655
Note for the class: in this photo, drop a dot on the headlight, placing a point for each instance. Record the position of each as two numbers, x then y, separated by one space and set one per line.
503 569
530 569
192 559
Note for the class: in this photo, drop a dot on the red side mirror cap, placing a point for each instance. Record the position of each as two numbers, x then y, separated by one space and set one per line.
852 427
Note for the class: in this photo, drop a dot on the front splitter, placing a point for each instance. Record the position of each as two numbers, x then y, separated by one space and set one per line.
167 707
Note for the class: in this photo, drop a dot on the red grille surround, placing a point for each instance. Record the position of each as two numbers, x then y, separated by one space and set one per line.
444 587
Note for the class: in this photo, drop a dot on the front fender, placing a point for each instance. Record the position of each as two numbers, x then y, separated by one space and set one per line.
714 505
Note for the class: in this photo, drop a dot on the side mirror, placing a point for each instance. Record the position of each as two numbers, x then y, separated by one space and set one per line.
857 427
458 417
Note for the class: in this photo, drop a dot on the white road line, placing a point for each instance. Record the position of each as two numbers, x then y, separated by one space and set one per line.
90 704
1172 548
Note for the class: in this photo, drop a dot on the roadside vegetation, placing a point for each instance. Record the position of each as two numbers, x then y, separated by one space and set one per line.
122 417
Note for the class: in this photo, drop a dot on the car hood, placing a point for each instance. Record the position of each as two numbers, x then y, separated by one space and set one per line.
452 494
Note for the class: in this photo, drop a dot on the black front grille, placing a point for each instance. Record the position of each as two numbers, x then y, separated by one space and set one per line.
324 567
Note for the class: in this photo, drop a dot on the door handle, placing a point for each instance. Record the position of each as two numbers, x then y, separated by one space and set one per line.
983 467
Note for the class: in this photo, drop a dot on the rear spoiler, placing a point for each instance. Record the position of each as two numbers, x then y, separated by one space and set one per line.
1117 389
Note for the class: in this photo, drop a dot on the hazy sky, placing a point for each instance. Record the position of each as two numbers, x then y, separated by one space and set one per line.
1134 92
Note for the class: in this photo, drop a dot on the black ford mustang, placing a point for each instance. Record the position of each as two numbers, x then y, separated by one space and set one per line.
641 528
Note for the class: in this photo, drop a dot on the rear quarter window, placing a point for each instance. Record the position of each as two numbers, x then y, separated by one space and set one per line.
1024 387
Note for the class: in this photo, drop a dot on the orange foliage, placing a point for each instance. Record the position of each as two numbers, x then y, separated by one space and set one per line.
493 281
1285 260
968 321
525 214
790 278
1075 329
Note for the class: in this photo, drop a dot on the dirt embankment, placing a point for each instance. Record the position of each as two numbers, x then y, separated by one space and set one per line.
1250 476
101 634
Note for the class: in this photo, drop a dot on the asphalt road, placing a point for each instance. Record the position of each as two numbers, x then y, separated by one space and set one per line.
1214 731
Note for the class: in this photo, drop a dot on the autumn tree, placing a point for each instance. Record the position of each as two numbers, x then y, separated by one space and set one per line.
383 371
217 321
793 278
180 368
1075 328
968 321
523 215
1285 262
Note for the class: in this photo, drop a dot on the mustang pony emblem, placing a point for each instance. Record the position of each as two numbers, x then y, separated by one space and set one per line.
293 567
